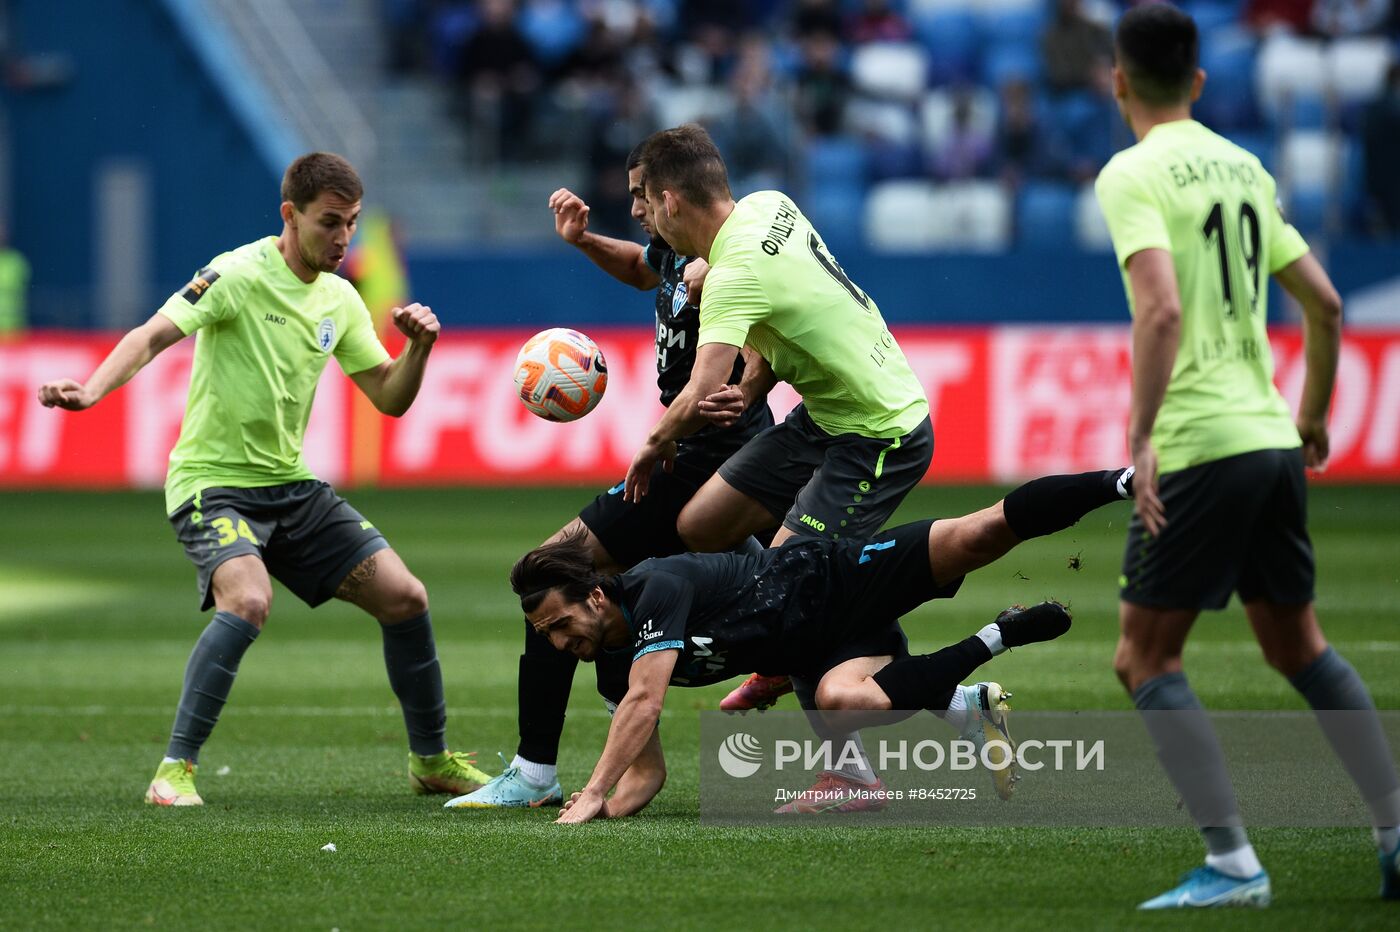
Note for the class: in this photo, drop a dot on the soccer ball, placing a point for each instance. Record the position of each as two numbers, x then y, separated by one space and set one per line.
560 374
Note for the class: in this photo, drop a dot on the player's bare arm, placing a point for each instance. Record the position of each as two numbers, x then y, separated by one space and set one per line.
724 407
713 364
128 357
392 386
633 725
623 260
642 781
1156 336
1307 281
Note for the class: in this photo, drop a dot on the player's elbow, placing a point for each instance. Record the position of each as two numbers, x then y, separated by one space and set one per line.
1327 309
1161 317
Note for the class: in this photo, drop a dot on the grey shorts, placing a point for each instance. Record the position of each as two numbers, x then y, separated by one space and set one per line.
1238 524
822 485
308 537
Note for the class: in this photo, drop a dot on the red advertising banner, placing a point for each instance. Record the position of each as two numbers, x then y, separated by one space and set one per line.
1007 402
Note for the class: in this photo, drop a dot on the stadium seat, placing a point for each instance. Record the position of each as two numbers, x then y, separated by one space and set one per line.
835 161
835 211
1288 67
953 44
1044 215
1307 210
1008 21
970 216
1010 61
1260 144
1090 228
885 121
1356 68
1228 55
553 28
1310 159
683 103
936 114
1211 14
899 216
890 70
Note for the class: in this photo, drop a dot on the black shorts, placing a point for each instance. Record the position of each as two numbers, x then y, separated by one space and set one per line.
1238 524
308 537
631 533
830 486
875 582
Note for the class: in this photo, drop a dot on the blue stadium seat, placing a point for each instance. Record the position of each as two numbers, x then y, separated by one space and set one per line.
1261 144
836 211
1210 15
1005 23
952 41
1304 111
1045 215
894 160
1009 61
1228 55
553 30
1071 112
1307 209
836 161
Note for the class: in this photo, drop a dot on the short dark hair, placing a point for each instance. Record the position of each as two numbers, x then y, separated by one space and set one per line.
686 160
1158 50
317 172
565 564
634 158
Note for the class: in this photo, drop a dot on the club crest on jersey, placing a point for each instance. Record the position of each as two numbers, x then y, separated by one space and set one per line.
325 334
679 299
199 284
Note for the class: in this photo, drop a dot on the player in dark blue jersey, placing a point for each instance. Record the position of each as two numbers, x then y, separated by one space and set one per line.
616 533
824 610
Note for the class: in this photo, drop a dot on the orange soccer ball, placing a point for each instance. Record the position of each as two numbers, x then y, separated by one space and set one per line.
560 374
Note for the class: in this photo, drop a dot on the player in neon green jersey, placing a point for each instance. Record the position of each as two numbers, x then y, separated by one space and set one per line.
1219 484
844 459
240 497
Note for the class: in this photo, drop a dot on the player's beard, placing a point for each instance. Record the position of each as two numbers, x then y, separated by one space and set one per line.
659 242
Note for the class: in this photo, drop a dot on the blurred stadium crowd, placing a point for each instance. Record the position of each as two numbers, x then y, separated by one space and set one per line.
975 122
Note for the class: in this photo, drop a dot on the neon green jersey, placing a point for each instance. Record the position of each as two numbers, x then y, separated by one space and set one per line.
773 285
1215 209
264 337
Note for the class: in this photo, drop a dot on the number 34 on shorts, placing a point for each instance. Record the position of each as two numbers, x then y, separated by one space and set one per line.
227 530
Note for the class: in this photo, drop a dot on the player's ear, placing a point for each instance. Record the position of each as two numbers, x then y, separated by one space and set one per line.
287 211
671 204
1120 83
1197 83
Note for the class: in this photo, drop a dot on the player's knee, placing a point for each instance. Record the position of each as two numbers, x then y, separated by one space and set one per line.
252 605
1290 659
839 695
698 535
411 600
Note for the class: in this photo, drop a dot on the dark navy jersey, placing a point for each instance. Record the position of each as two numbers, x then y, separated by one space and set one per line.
677 329
729 614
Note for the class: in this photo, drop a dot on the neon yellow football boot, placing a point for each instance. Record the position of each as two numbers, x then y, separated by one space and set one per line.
173 785
449 772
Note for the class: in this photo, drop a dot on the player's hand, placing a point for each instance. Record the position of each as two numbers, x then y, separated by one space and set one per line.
583 807
66 394
1148 504
570 215
638 480
1316 443
418 323
694 277
723 408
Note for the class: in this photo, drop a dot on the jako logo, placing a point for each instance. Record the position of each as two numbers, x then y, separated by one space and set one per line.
740 755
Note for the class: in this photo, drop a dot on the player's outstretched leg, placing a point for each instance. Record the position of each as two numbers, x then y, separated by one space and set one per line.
958 546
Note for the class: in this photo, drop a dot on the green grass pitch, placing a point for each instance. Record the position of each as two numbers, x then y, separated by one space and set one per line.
97 616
